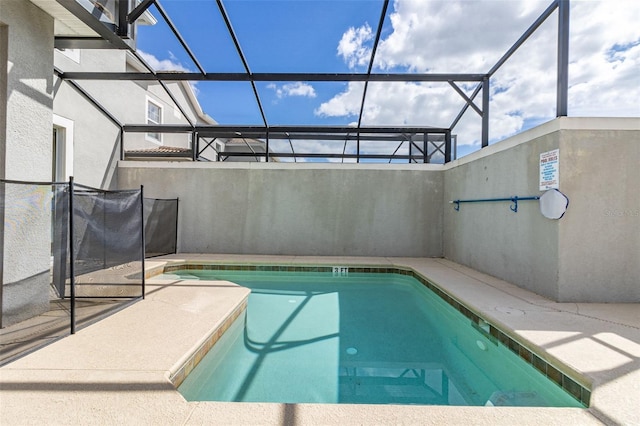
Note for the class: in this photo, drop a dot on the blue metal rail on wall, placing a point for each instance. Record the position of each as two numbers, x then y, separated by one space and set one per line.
514 200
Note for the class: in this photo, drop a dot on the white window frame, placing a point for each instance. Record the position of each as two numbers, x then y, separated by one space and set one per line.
65 138
219 147
153 137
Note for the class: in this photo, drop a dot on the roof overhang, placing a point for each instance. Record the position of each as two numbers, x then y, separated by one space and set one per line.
66 23
83 24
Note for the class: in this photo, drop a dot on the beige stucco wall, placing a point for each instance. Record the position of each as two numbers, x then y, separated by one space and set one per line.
520 247
27 142
297 209
592 254
27 154
599 241
96 139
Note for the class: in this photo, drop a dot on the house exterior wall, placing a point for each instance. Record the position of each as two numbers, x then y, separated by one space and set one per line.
26 147
97 138
96 141
296 209
96 148
4 42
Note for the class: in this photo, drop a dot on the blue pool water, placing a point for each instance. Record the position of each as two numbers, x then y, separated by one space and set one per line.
365 338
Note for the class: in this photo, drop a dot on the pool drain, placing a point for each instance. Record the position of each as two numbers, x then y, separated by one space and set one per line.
352 351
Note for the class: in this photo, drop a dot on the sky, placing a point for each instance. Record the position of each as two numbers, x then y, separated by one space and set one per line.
418 36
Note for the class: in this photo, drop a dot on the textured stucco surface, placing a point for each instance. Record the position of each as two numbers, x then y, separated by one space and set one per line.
600 238
4 36
29 91
519 247
27 147
96 139
292 209
592 253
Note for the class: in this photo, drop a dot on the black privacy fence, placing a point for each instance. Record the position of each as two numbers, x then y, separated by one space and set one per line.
69 249
161 226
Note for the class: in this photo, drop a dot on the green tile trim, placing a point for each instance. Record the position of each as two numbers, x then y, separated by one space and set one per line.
572 387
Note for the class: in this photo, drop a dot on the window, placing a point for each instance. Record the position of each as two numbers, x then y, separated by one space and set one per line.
154 116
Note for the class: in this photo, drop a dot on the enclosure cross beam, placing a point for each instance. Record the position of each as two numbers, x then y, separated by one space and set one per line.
274 77
139 10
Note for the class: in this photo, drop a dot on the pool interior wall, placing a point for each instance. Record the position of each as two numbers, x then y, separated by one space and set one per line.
561 375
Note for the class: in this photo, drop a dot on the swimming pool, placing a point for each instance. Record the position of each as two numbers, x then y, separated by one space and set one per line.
365 338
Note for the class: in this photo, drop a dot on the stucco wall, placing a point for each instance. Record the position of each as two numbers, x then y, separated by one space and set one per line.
521 247
592 254
96 144
27 146
299 210
600 240
4 40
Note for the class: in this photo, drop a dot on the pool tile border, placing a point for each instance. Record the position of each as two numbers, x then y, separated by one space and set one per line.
571 386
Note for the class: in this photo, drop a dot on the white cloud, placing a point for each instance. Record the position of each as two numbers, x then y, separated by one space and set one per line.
395 103
168 65
344 104
352 46
604 74
468 37
293 89
453 36
171 64
298 89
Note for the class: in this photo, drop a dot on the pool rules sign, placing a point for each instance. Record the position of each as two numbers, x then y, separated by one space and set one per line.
549 170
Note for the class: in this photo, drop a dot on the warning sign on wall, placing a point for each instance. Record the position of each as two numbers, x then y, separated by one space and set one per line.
549 170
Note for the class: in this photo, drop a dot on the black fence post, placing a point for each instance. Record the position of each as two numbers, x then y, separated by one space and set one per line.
142 237
175 245
121 133
194 146
72 282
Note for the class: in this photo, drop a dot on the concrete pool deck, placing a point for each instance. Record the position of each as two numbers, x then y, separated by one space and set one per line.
118 371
